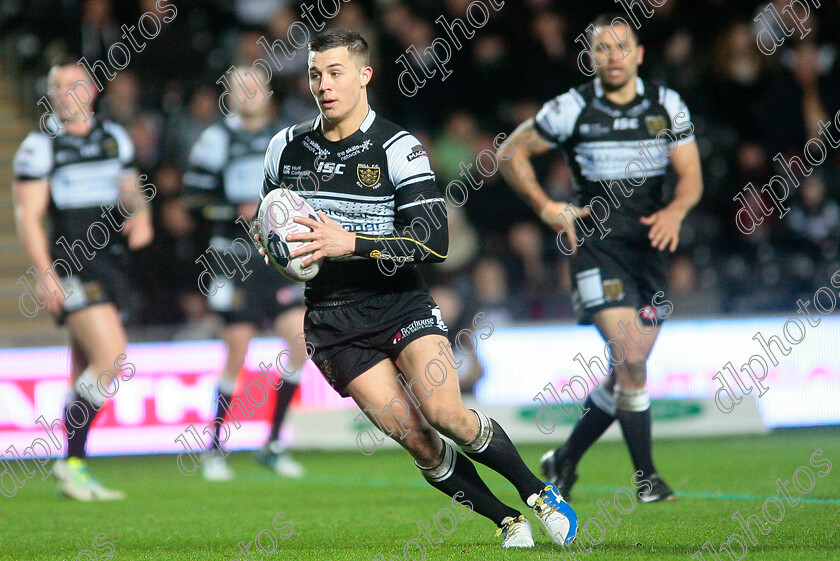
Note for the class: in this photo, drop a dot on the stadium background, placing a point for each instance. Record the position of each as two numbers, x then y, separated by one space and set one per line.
725 287
745 106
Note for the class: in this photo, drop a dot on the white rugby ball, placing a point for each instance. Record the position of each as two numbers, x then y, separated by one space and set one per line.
276 221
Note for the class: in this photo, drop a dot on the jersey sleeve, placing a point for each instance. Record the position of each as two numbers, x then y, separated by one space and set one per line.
33 159
421 230
408 162
125 147
555 121
678 115
206 162
271 165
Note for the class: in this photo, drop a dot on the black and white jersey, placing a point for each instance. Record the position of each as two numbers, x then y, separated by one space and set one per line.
84 173
618 152
378 183
225 169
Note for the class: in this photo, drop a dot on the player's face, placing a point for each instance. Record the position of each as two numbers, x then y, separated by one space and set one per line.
259 104
337 80
614 71
75 79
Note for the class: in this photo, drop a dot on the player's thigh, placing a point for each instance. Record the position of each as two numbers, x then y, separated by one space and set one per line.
237 337
289 326
632 338
99 333
78 358
629 349
433 382
289 323
380 396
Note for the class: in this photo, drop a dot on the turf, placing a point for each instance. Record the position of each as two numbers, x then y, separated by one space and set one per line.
351 506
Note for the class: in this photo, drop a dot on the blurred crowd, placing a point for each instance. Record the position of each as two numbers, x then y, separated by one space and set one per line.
746 107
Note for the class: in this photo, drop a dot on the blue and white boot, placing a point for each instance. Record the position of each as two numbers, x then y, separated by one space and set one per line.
557 516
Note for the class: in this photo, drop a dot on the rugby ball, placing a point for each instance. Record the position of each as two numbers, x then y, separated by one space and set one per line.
275 217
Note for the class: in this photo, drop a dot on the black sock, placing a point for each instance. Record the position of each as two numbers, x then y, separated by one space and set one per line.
222 401
636 428
79 414
456 475
284 397
493 448
588 429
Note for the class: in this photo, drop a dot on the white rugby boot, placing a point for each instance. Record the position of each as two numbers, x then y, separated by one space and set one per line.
517 532
75 482
215 468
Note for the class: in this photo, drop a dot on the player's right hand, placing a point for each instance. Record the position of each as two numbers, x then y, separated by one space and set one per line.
257 240
53 303
555 215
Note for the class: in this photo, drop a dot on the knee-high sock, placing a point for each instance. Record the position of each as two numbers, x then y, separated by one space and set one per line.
284 397
79 414
633 412
493 448
224 395
589 428
456 476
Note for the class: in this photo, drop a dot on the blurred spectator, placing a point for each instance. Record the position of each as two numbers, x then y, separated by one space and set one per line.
121 100
685 290
746 107
815 219
98 30
802 92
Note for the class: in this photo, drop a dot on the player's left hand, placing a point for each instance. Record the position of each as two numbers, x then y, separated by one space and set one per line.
328 239
664 228
139 231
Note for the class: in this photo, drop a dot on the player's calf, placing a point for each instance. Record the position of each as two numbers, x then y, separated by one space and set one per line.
389 421
455 422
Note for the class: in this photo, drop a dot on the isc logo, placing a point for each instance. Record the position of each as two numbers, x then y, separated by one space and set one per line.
625 124
330 167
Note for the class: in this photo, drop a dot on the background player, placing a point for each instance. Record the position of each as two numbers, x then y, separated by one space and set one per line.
75 178
377 334
601 126
223 180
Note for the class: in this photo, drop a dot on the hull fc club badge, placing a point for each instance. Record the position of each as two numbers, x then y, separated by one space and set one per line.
368 176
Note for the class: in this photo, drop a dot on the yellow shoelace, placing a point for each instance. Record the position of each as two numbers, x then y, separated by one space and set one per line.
510 526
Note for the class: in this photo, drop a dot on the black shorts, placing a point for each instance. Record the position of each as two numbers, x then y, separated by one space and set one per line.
107 278
617 272
349 339
261 297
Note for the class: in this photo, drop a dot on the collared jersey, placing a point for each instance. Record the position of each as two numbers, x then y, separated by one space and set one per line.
84 174
371 183
226 170
607 144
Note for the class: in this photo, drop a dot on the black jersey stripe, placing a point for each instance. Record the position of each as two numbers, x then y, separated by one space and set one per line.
395 138
414 177
547 136
354 201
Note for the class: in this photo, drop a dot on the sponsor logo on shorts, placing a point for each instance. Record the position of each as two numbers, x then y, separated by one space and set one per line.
654 314
414 327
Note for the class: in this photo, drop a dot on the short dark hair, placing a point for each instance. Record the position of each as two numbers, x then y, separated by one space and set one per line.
339 37
606 20
63 60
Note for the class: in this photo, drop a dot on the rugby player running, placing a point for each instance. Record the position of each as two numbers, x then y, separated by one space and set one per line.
224 165
74 177
602 126
376 333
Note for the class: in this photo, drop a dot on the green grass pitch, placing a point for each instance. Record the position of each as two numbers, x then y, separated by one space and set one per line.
351 506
